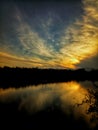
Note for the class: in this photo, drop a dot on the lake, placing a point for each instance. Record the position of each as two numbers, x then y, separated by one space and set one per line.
66 105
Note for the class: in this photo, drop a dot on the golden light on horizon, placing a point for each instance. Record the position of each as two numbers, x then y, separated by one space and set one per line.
50 47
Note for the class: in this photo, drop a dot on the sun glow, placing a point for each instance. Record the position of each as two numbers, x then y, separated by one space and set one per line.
42 48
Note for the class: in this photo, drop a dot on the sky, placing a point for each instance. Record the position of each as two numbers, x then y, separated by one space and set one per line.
49 34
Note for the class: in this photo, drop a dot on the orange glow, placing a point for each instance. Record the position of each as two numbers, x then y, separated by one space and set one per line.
70 54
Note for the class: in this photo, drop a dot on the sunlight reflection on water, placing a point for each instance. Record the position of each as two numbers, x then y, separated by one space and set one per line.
70 97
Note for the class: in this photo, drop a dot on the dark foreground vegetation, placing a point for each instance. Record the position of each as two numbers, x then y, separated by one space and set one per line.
33 76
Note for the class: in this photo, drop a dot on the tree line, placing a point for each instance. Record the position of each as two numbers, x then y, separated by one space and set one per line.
33 76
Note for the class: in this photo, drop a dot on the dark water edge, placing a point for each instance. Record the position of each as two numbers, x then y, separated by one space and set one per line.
49 118
16 77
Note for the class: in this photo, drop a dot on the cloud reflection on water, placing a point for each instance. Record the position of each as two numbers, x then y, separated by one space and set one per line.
65 96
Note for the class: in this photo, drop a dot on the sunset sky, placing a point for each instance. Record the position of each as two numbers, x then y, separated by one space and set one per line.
49 34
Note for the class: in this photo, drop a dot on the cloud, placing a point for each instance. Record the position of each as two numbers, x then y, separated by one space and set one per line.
70 49
90 63
81 38
13 60
30 39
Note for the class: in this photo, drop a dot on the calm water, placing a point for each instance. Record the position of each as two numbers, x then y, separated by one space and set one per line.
71 105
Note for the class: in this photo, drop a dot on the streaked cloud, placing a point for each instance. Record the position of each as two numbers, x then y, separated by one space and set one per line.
13 60
50 47
81 42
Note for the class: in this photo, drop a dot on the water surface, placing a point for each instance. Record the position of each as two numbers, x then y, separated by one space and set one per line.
71 105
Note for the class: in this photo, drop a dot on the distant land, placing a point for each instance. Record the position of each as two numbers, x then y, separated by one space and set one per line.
18 77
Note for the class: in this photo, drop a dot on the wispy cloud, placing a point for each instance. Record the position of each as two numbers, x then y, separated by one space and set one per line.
13 60
81 39
78 42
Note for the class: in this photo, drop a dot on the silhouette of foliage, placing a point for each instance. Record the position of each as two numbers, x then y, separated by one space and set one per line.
92 100
32 76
